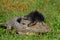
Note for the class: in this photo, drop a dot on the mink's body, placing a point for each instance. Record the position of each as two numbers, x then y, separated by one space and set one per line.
35 16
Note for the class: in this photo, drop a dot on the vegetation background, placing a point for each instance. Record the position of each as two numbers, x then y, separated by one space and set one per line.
12 8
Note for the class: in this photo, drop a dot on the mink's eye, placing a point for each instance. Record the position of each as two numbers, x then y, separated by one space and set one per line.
23 23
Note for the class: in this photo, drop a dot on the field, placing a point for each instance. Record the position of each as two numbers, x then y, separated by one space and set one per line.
12 8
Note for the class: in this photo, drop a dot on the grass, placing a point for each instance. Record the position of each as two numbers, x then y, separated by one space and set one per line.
12 8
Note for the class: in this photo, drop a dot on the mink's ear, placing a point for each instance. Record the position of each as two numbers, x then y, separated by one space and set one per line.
19 20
